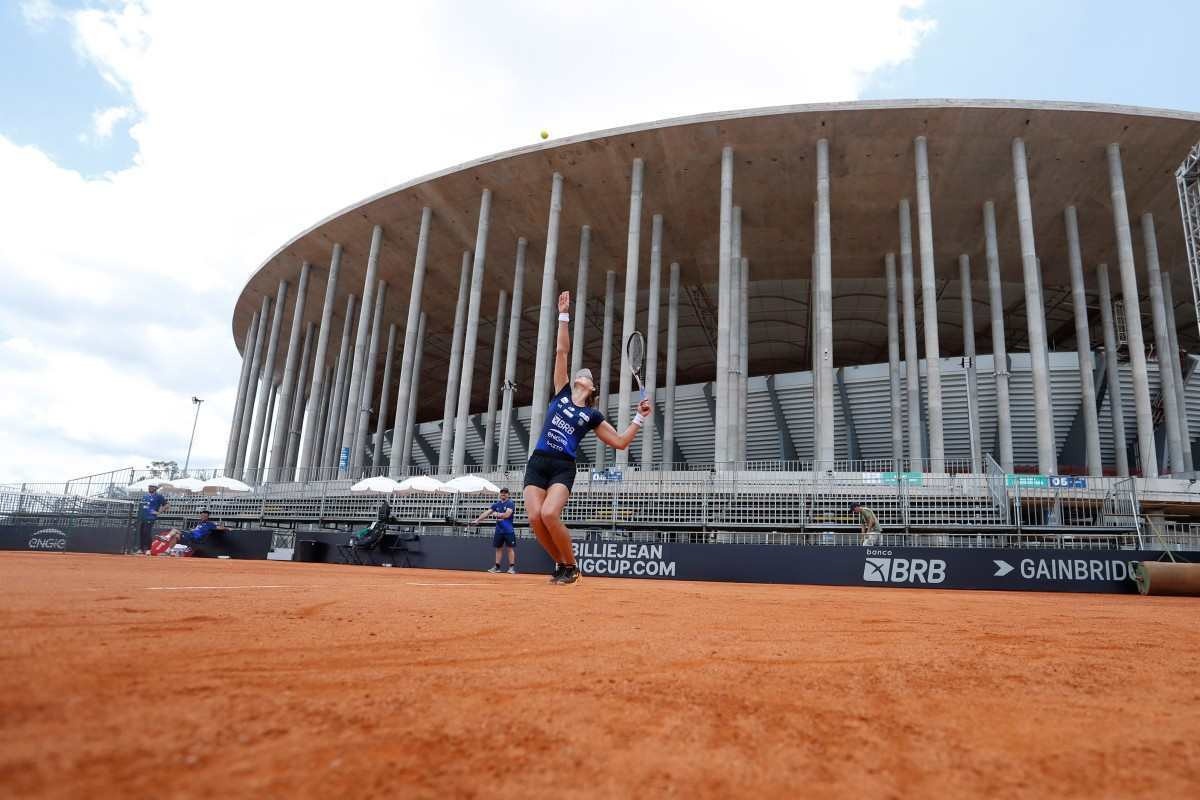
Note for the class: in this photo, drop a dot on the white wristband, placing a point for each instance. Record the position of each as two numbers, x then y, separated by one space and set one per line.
638 419
563 316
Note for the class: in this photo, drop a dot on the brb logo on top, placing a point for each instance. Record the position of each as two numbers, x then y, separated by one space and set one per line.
902 570
48 539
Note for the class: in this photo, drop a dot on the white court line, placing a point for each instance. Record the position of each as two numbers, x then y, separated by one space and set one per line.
252 586
486 585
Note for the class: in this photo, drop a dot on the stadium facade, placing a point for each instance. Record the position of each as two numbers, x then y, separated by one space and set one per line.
925 286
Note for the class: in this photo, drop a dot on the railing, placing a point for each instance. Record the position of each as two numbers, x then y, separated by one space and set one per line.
628 498
26 507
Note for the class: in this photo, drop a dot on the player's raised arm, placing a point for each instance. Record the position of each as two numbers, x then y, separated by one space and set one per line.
606 433
563 346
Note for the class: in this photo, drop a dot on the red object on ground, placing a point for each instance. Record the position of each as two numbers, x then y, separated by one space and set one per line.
159 546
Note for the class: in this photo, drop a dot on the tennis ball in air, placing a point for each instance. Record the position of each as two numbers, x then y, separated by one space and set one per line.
545 134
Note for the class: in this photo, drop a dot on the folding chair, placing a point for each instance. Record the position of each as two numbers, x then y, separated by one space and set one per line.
406 543
351 552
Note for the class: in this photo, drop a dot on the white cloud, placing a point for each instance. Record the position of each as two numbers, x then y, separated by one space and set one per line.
253 120
105 119
39 13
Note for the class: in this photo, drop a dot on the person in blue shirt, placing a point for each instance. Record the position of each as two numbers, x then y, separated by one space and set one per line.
550 472
503 510
191 538
152 504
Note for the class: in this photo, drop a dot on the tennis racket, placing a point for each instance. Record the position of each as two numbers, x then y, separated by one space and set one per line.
635 351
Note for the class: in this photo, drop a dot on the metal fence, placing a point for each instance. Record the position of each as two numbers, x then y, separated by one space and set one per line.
742 500
19 507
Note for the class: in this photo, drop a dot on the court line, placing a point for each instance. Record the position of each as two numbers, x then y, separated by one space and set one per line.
249 586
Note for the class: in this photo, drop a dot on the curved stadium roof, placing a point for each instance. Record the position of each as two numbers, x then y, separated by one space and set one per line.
872 168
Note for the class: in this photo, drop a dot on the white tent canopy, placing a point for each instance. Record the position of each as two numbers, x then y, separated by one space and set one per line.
380 484
420 483
470 484
223 484
184 485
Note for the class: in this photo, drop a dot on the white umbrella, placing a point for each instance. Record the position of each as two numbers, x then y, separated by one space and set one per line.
380 484
420 483
184 485
217 485
143 486
471 484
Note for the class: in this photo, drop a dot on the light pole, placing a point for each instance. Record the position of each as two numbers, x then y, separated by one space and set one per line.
196 401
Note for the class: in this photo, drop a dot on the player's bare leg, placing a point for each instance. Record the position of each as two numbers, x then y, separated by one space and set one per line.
534 498
556 499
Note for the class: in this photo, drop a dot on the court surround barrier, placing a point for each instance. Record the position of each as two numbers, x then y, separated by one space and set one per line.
711 500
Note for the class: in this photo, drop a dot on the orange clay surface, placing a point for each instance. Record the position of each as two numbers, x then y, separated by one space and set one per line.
126 676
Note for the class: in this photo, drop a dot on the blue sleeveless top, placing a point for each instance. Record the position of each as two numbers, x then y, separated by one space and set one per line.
566 425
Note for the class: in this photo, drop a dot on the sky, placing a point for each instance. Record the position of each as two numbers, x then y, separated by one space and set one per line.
153 153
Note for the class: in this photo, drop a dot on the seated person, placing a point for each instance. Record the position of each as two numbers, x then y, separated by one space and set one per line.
169 541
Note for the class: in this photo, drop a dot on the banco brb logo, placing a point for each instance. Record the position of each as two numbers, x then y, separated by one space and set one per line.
48 539
904 570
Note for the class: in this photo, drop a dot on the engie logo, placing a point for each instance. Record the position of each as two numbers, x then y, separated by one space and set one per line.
48 539
904 570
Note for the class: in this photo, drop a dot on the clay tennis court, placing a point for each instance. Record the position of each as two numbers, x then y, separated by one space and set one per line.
126 676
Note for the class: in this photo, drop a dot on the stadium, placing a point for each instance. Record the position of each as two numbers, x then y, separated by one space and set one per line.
930 187
976 318
979 284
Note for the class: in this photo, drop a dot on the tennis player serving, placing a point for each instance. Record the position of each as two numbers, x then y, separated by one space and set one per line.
551 469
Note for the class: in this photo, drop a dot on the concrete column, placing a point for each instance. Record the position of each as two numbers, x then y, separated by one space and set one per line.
825 306
296 423
287 389
672 359
1083 344
235 422
362 424
385 397
489 434
261 467
744 354
318 436
999 351
260 341
581 298
310 443
933 353
733 378
1112 372
1133 316
724 295
912 363
253 458
414 389
610 289
471 344
545 337
968 317
650 375
629 316
454 371
1035 316
893 324
337 406
397 461
510 357
1185 431
1162 344
354 405
814 358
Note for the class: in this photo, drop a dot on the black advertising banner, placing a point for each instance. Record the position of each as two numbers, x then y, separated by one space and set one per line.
51 539
898 567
